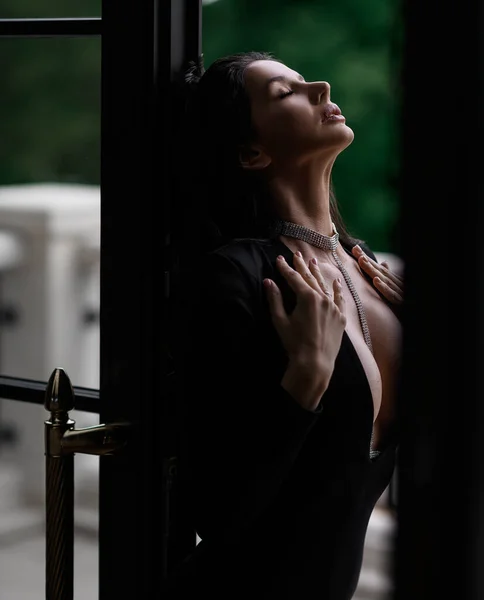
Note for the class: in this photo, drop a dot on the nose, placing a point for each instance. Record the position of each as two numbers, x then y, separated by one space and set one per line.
320 91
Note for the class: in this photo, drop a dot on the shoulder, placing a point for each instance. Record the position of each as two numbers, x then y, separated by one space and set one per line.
243 247
249 255
237 267
230 275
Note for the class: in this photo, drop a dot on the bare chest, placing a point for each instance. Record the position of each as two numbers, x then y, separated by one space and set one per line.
381 365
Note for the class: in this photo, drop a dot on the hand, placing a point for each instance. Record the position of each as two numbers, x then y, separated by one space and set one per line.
384 279
315 328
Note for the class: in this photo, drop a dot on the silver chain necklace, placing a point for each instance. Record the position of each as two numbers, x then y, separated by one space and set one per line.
327 243
331 243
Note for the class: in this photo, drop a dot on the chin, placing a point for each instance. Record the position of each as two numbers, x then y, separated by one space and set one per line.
332 148
345 137
350 134
342 138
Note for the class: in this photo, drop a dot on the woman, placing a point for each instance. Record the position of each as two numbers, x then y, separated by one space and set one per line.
290 349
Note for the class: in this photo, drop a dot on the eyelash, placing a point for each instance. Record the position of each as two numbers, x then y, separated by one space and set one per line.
284 94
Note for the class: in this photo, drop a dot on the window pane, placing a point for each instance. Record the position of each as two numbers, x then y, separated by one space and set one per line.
49 286
22 506
49 208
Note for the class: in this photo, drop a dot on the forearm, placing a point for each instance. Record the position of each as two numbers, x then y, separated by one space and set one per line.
306 380
245 429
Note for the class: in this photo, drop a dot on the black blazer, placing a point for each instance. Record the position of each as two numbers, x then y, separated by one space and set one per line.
280 496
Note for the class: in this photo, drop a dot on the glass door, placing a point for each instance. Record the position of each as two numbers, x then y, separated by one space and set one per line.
110 298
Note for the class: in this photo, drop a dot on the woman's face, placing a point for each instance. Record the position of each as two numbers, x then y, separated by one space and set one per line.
292 118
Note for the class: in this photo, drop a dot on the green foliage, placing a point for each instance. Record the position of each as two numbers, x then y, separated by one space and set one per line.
50 110
50 101
354 45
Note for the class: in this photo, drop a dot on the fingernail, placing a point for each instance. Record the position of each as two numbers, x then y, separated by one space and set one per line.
298 253
280 257
314 260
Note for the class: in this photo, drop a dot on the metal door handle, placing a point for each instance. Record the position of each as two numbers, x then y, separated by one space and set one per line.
62 442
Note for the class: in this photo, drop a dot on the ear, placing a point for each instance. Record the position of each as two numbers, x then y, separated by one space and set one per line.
253 158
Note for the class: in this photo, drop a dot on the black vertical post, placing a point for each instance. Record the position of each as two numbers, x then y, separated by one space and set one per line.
439 545
143 44
175 53
130 497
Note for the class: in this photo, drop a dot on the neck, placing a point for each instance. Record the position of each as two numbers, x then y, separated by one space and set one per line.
302 197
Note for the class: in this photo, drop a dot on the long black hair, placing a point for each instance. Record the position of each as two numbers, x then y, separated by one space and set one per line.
220 199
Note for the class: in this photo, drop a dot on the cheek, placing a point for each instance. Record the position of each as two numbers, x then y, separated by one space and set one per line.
280 127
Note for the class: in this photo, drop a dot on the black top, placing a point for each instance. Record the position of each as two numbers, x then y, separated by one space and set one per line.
282 496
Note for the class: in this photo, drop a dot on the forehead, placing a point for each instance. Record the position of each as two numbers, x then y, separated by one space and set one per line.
259 73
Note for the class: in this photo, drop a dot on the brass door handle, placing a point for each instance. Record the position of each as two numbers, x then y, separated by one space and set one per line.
62 442
60 436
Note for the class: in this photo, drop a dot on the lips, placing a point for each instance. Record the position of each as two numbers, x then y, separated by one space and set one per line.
330 110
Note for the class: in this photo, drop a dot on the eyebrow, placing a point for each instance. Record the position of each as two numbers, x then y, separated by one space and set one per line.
282 78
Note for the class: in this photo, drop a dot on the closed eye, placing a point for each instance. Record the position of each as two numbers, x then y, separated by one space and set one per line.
284 94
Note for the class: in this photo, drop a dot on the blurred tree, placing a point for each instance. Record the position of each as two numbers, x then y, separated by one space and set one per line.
355 45
50 101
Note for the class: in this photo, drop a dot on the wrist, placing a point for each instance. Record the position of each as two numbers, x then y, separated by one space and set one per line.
306 380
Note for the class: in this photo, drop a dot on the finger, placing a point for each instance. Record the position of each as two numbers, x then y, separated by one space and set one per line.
392 281
390 273
374 269
293 278
338 297
388 284
318 276
305 272
390 293
381 270
276 306
385 268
